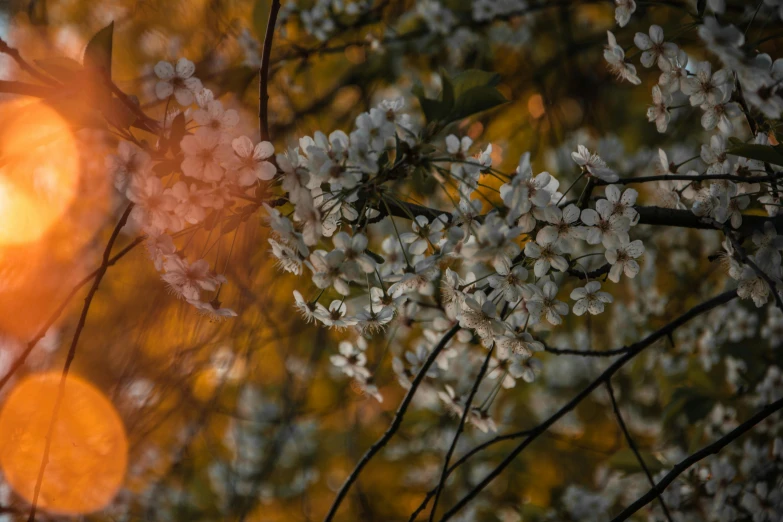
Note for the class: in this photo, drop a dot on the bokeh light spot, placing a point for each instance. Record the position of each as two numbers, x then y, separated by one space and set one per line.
89 449
39 170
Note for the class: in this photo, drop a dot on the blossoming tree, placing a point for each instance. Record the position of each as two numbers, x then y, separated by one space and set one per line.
521 292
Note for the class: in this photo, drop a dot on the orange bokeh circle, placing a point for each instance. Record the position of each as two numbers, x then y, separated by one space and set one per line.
89 449
39 170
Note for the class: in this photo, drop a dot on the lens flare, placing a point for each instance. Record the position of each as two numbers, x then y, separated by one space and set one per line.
89 448
39 170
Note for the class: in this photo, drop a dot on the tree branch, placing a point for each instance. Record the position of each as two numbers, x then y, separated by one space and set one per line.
633 350
72 353
648 215
468 402
26 67
633 447
395 425
263 72
19 361
25 89
711 449
748 261
685 177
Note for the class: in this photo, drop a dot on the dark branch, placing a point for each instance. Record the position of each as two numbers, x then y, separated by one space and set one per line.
26 67
685 177
263 73
395 425
587 353
633 447
469 401
743 256
633 350
712 449
72 353
658 216
25 89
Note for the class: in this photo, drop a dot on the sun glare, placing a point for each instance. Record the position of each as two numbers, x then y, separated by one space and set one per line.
89 448
39 170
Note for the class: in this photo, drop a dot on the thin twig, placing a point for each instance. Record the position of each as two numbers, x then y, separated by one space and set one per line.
395 425
26 89
479 448
587 353
706 451
72 353
633 447
19 361
633 350
598 272
263 72
26 67
685 177
748 261
469 401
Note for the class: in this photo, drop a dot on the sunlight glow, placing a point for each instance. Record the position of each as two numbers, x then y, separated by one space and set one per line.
89 449
39 170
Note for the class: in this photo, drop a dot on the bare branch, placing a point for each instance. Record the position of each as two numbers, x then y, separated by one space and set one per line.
263 73
633 447
450 452
395 425
26 67
633 350
72 353
706 451
748 261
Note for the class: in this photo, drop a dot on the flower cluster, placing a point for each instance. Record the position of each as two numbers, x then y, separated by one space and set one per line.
731 177
175 188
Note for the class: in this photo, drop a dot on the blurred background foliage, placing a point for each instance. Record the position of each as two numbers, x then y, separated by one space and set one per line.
245 418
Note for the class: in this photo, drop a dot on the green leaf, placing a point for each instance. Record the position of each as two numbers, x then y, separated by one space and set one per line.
689 401
764 153
625 460
261 10
475 100
434 110
178 132
97 55
117 113
63 69
447 94
231 224
698 407
467 80
78 112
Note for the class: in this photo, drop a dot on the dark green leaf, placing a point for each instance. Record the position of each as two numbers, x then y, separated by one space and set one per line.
231 223
177 132
63 69
434 110
118 114
466 80
211 220
475 100
78 113
166 167
764 153
447 94
698 407
97 55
